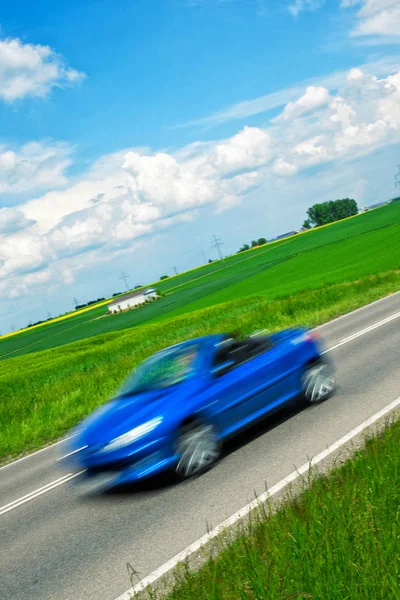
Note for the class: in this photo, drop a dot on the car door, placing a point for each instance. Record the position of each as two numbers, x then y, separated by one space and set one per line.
252 387
232 396
277 376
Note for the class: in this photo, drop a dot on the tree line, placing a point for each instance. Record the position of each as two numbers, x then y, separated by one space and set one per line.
318 214
260 242
78 306
328 212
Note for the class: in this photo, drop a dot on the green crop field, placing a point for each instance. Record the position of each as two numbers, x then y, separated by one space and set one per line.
344 251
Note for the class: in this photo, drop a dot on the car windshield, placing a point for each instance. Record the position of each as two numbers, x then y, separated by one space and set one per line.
161 371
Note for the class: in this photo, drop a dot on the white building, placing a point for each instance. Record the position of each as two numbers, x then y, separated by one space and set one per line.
132 299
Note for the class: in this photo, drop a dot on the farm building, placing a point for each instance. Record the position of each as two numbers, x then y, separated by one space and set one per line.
132 299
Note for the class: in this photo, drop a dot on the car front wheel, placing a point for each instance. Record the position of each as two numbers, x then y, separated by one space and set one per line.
317 383
198 448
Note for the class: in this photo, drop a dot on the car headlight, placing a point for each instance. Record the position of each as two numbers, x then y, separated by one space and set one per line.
132 435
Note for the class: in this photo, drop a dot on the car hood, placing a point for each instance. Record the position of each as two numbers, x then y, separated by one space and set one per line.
123 414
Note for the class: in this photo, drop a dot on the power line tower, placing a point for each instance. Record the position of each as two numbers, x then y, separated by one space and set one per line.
49 315
124 276
76 301
204 256
217 243
397 177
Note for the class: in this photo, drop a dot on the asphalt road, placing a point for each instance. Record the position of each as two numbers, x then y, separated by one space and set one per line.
60 545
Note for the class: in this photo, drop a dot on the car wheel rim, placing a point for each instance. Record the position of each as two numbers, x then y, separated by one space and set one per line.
318 383
197 450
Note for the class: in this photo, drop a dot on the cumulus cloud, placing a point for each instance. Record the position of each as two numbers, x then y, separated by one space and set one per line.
314 97
361 117
376 17
12 220
256 106
22 253
131 194
35 166
32 70
283 168
246 150
164 180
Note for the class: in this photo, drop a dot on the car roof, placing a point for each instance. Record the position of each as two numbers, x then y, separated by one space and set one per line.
213 339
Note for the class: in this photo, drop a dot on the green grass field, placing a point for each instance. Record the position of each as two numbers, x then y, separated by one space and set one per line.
45 393
338 540
344 251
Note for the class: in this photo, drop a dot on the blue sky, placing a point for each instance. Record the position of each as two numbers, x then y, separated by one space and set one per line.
132 131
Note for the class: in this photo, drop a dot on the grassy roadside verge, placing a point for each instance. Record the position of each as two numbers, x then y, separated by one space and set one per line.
44 394
339 539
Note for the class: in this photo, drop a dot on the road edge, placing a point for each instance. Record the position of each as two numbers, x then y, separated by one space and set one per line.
192 558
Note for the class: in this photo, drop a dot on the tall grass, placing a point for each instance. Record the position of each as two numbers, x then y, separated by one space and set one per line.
338 540
44 394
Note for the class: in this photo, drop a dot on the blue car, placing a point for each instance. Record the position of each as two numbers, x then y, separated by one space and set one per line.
178 407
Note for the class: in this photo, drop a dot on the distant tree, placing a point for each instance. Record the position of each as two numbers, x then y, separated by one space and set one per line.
243 248
210 260
116 294
261 241
307 224
254 244
36 323
164 277
334 210
137 287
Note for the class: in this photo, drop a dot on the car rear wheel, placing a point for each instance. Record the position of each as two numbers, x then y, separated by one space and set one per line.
198 449
317 383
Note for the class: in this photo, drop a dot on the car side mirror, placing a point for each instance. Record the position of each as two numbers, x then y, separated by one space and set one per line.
223 368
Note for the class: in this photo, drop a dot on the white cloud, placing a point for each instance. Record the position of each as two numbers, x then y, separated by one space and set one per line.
12 220
314 97
361 117
32 70
283 168
298 6
130 194
35 166
273 100
376 17
22 252
389 105
248 149
163 180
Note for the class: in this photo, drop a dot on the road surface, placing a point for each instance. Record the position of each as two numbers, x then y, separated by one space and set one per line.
56 544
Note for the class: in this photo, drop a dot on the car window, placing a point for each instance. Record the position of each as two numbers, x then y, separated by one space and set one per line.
240 351
162 370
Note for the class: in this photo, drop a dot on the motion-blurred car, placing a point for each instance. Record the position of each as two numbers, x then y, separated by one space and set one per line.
178 407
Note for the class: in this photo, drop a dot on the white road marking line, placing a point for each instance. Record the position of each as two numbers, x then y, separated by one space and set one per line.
319 327
46 488
18 460
363 332
356 310
66 478
181 556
